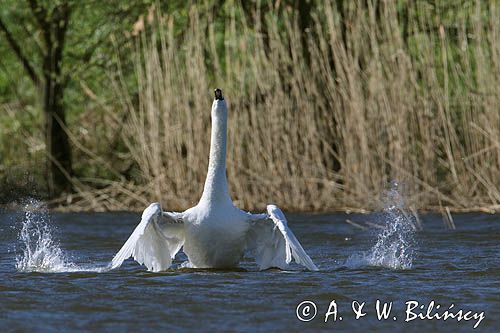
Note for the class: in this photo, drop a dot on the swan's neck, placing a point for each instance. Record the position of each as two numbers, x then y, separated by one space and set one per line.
215 190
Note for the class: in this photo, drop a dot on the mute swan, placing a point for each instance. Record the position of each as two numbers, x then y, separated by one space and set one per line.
214 233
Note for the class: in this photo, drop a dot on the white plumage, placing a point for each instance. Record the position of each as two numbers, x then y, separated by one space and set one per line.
214 233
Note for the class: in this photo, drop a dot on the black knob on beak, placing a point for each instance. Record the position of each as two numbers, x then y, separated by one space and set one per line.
218 94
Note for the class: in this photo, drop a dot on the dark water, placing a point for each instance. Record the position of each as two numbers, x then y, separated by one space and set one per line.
459 266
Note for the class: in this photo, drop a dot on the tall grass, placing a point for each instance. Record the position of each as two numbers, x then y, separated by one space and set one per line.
324 122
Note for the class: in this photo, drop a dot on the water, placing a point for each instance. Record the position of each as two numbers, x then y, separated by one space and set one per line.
39 251
54 277
395 244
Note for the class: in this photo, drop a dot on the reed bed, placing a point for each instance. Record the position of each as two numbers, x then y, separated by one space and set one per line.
370 96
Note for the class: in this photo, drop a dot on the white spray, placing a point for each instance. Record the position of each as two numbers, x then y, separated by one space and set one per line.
39 252
395 242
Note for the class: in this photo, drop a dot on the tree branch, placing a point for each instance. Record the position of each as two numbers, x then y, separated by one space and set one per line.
39 12
40 15
19 53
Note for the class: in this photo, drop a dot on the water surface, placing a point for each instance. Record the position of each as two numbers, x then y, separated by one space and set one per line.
72 291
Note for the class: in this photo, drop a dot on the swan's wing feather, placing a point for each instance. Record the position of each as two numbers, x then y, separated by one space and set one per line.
155 241
267 245
274 243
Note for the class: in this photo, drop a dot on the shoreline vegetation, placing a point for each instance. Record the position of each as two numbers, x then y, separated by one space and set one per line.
321 118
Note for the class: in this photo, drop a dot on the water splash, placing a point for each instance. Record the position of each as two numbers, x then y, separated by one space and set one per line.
39 251
395 241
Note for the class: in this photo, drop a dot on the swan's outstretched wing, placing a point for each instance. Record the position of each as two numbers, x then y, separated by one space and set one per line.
155 241
272 248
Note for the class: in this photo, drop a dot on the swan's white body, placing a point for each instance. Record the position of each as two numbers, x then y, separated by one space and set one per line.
214 233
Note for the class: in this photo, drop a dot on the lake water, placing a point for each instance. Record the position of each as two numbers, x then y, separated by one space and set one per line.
59 281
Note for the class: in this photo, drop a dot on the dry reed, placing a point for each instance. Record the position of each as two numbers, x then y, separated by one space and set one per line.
414 101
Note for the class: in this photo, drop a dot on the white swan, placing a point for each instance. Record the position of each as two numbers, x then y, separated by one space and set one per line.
214 233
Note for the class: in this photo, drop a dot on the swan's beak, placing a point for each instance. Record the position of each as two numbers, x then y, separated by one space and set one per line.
218 94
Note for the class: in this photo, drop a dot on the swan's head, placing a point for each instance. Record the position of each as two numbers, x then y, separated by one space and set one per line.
219 105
